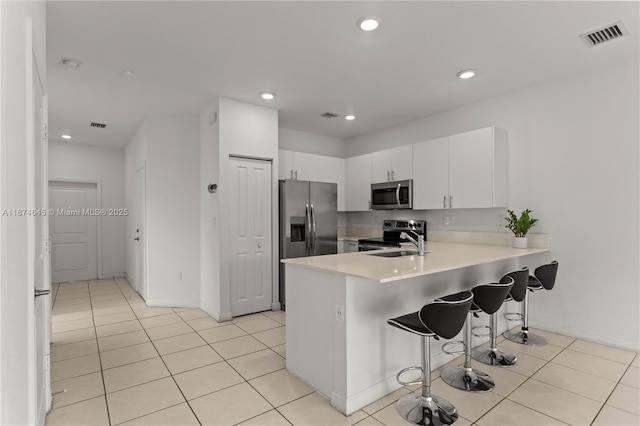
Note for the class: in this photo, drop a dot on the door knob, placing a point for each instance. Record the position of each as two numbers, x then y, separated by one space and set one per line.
41 292
137 238
259 245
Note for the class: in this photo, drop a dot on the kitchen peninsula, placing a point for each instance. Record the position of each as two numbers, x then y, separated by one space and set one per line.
337 338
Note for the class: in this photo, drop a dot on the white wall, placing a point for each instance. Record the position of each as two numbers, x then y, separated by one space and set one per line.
209 211
105 165
169 146
243 130
311 143
573 159
17 390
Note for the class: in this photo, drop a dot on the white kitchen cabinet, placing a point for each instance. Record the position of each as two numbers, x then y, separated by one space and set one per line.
431 174
467 170
347 246
392 164
315 168
358 183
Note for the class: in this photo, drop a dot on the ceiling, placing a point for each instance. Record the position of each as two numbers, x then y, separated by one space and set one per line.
186 54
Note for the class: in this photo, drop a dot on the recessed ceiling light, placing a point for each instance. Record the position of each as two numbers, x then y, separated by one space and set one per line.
464 74
65 136
267 95
127 73
350 117
72 64
369 23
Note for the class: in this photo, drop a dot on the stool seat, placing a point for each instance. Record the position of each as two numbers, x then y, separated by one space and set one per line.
412 324
534 283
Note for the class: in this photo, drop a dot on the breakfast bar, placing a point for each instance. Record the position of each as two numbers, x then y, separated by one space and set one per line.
338 341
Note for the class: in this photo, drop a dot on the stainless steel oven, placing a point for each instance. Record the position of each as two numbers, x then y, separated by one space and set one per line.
392 195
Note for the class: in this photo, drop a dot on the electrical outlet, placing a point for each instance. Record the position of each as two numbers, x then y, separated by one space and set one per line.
501 222
340 313
447 220
180 276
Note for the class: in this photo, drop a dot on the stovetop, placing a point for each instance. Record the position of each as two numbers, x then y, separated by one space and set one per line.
392 230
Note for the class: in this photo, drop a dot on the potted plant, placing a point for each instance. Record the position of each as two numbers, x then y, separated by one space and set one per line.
520 226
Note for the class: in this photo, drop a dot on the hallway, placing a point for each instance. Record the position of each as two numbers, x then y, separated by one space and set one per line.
116 361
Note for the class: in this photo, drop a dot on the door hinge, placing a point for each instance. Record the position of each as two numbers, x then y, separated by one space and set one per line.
47 246
45 132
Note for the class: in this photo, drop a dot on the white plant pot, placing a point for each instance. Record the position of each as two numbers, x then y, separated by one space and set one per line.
520 242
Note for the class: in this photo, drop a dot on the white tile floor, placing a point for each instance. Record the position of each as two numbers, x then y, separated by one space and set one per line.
117 361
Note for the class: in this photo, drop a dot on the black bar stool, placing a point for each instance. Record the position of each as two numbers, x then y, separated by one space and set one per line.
491 355
544 277
442 318
488 298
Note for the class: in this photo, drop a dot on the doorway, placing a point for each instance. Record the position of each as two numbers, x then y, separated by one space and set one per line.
74 230
250 236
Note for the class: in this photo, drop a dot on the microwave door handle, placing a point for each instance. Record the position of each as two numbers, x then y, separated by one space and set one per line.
398 195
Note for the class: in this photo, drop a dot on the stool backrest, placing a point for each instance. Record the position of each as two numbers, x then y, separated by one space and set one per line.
489 297
520 281
446 316
546 274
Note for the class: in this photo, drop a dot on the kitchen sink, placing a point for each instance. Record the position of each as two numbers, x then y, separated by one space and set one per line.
394 253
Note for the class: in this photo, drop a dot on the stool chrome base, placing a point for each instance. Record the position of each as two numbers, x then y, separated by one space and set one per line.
468 379
432 410
493 357
519 336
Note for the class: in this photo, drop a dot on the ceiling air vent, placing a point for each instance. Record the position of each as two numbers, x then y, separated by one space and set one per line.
607 33
329 115
98 125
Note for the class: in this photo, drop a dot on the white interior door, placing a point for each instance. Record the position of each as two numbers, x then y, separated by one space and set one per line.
141 235
250 256
73 229
41 278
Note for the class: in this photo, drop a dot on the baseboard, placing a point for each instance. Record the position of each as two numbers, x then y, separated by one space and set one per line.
629 345
365 397
159 303
275 306
131 280
115 275
214 313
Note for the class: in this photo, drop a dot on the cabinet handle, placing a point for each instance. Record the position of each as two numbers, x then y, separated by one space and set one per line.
290 174
295 173
444 202
393 175
450 201
388 176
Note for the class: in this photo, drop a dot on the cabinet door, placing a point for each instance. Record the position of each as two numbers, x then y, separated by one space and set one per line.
402 163
431 174
320 168
285 164
381 166
358 183
471 169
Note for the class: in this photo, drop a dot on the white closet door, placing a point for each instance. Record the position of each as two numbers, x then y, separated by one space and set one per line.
73 231
250 256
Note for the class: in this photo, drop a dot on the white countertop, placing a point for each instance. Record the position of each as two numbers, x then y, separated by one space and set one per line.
438 257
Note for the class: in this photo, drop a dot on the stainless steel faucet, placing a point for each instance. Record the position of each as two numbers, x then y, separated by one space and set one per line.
419 242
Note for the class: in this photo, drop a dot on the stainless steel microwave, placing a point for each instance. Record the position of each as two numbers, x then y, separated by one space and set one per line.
394 195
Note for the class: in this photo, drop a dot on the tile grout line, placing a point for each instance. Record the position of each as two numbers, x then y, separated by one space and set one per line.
611 394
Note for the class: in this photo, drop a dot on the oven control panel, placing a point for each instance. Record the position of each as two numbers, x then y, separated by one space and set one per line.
418 226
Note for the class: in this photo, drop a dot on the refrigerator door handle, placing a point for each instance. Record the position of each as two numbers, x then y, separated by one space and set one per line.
307 229
313 230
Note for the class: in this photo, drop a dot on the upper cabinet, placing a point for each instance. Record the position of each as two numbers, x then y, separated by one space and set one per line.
312 167
467 170
392 164
358 183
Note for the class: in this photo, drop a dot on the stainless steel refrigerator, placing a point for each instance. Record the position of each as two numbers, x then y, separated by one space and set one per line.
308 221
